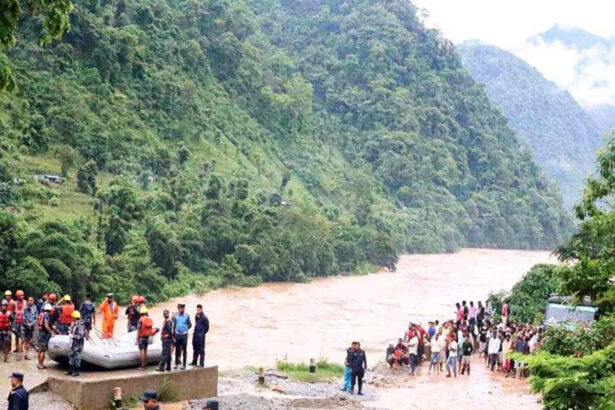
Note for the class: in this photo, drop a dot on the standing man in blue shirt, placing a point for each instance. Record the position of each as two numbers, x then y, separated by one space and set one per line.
201 327
181 326
18 397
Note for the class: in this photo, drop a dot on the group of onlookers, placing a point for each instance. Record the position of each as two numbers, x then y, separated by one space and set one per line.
450 345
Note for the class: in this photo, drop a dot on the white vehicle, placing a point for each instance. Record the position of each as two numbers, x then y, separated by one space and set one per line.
111 353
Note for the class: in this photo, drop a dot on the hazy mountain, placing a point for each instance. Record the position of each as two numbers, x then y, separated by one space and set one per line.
572 37
604 116
562 135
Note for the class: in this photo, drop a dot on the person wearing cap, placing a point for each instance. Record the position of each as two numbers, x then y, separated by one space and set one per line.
87 312
8 296
181 326
132 314
145 330
150 400
18 397
45 330
65 314
6 318
110 311
78 336
27 326
211 405
166 335
201 327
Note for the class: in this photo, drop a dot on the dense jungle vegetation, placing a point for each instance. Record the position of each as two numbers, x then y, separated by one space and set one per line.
215 143
575 369
562 135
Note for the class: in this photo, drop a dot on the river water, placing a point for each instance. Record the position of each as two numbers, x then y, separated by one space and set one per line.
257 326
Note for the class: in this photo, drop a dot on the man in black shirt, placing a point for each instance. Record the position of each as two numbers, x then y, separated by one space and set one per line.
166 334
358 365
18 397
201 327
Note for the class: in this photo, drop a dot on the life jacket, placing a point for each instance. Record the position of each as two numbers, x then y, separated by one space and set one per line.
66 318
19 306
5 321
147 327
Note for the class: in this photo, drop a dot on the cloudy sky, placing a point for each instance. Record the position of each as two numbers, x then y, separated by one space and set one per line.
588 74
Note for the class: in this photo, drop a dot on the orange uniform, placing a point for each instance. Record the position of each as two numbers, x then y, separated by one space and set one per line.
110 312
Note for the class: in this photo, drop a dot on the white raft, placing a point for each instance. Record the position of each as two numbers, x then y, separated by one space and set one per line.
112 353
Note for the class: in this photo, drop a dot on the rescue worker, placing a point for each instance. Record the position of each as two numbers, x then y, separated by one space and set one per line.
40 304
166 336
53 316
201 327
19 306
18 397
358 366
145 330
110 311
45 330
30 313
132 313
87 312
8 297
181 326
5 329
65 315
78 336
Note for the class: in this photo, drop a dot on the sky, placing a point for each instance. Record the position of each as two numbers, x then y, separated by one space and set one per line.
588 74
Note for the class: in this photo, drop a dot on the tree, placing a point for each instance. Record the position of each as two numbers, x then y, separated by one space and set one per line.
55 21
68 157
86 177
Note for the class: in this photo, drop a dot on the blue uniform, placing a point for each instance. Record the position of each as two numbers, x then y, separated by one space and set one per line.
201 327
181 326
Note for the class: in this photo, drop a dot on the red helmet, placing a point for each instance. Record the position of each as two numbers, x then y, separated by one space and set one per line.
19 293
141 299
52 297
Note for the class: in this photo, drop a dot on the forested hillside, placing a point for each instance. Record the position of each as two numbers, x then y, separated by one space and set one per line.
215 143
562 135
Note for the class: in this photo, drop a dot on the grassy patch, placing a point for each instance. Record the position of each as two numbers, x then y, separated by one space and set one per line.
301 371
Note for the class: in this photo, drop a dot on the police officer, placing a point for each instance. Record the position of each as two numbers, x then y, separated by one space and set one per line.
79 333
181 326
166 335
87 312
150 400
201 327
358 365
18 397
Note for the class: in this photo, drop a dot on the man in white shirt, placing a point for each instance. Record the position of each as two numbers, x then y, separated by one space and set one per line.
413 346
452 356
493 349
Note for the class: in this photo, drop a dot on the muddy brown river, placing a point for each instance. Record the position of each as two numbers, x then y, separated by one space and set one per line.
257 326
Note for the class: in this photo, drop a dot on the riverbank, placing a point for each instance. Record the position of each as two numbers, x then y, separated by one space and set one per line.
299 321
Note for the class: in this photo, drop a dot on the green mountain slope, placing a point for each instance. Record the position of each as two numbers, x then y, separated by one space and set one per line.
562 135
203 149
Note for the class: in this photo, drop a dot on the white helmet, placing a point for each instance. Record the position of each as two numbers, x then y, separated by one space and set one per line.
47 306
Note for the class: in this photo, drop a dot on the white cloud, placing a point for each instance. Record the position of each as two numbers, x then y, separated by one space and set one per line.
588 74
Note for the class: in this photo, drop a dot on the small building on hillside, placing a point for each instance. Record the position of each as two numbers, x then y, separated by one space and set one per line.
561 310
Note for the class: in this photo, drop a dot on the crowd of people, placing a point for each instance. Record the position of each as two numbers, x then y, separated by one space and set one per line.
473 331
26 324
451 345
